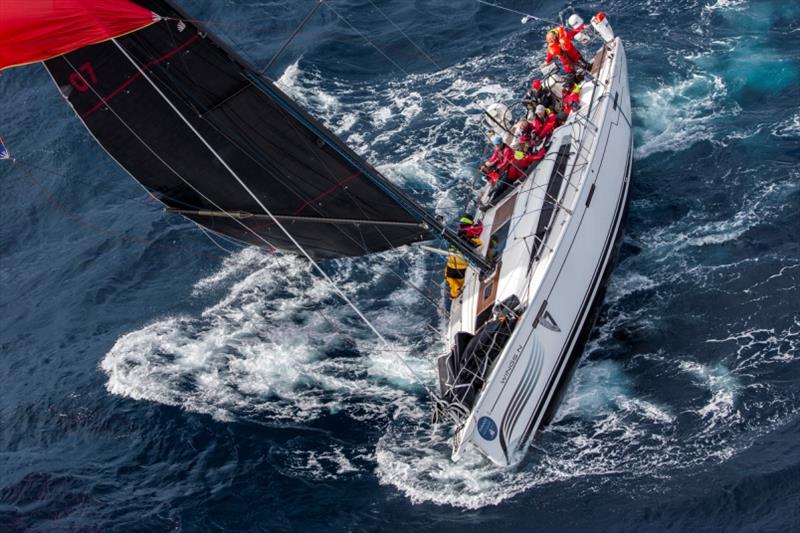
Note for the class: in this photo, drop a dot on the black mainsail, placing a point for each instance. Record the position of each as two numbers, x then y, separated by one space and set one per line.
217 142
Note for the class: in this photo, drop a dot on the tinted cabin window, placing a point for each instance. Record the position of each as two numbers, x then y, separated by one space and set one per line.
548 208
497 242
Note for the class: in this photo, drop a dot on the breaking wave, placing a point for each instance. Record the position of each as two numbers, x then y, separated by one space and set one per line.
674 116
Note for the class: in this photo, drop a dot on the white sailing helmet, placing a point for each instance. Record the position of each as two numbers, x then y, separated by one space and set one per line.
574 20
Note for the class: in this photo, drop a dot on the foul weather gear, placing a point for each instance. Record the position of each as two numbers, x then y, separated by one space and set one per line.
520 166
455 273
470 231
467 228
498 162
559 44
543 126
565 42
523 131
571 101
541 96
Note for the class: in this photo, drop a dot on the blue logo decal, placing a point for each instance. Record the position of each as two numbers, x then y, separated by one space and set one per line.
487 428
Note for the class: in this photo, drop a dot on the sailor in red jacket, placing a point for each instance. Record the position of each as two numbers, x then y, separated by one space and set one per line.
522 163
497 164
572 100
544 122
559 43
470 230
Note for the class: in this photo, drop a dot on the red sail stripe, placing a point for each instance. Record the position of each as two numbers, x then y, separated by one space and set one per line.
326 193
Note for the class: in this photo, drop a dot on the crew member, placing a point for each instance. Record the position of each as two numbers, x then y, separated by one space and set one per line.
544 122
522 162
570 102
565 43
470 230
497 165
537 95
455 272
523 130
559 44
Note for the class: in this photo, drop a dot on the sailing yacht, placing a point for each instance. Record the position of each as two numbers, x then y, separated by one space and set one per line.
517 333
216 141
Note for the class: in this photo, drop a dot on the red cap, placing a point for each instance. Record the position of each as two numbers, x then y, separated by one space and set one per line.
600 16
537 84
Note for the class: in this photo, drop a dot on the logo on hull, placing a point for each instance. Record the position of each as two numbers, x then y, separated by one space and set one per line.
487 428
549 322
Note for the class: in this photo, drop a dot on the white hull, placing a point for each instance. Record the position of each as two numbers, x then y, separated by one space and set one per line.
559 284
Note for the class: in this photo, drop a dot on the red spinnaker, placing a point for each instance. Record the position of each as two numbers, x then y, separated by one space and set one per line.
35 30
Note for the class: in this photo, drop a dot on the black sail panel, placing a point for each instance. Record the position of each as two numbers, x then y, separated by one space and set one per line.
210 121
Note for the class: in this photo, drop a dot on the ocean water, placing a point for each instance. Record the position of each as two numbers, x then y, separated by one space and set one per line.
151 379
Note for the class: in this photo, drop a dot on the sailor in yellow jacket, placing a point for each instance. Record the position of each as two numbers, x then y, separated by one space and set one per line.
455 272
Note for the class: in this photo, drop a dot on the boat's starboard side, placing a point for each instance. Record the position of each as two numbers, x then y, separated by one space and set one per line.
533 368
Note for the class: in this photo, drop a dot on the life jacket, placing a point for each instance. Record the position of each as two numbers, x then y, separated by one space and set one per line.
520 166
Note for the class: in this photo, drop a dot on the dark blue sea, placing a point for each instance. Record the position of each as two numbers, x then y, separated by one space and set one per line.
152 379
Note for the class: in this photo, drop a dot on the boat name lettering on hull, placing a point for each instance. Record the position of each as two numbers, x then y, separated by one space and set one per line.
512 364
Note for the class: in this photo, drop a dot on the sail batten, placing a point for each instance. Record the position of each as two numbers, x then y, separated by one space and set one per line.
203 131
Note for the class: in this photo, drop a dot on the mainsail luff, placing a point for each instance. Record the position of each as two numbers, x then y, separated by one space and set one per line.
295 170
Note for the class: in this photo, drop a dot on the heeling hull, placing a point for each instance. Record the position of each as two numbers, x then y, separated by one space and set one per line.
529 378
591 320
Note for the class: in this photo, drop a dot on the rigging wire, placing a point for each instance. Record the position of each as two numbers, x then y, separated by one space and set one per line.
25 168
292 36
254 155
277 222
22 166
157 156
526 15
398 28
458 108
276 174
330 280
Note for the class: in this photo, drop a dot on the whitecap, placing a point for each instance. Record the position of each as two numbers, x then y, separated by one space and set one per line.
789 128
674 117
